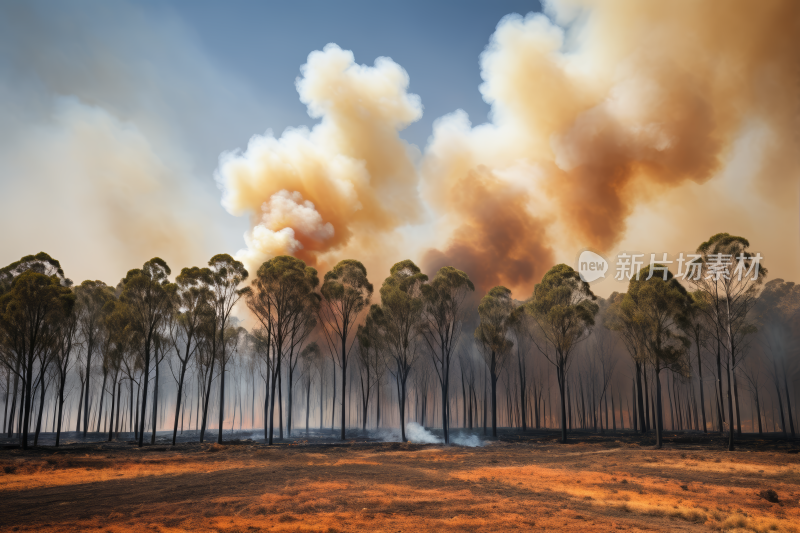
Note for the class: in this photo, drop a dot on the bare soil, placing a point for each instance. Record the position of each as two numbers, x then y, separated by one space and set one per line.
519 482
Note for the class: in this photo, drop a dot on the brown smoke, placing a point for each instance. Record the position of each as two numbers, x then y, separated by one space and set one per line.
647 96
598 109
483 246
310 192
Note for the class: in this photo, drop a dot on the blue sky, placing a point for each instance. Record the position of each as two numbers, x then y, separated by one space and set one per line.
264 43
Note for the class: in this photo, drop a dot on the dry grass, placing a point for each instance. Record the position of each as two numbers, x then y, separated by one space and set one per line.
502 487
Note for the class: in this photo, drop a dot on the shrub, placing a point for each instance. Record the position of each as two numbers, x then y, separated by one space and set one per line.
769 495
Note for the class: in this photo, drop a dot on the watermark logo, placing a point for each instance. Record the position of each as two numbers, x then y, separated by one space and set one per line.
592 266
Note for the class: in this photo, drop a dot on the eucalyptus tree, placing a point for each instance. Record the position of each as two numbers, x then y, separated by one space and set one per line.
29 311
563 310
371 364
192 307
399 320
120 339
309 364
694 323
519 322
621 320
261 341
205 361
300 327
346 292
281 298
658 303
491 337
729 276
147 295
777 313
227 275
443 318
66 341
40 263
124 357
92 298
602 362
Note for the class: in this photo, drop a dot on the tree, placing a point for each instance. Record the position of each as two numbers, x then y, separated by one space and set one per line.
622 320
146 293
657 303
729 276
29 309
563 310
192 307
372 362
66 339
443 318
601 362
399 319
310 358
282 299
226 276
92 298
346 291
491 336
694 324
777 313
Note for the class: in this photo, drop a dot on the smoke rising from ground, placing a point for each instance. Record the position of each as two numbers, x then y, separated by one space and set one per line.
597 109
419 435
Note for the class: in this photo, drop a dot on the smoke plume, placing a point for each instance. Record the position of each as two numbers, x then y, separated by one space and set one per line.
597 109
312 191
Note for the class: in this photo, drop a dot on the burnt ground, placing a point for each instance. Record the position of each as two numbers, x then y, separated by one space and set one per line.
518 482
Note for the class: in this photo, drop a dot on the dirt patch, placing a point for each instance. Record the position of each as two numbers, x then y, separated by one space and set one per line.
522 483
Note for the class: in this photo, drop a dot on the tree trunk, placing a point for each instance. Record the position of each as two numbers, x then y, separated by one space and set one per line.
702 396
155 403
788 401
344 382
659 419
178 401
222 364
730 409
639 401
146 380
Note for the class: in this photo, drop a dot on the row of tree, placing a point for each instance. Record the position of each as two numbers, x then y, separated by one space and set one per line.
310 333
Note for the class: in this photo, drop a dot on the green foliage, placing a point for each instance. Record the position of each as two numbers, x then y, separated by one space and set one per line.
491 334
659 307
347 284
563 307
30 307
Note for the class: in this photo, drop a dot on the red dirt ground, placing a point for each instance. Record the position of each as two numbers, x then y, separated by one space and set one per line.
589 485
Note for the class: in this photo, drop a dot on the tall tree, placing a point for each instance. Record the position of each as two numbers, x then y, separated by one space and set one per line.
372 362
67 339
729 277
657 303
346 292
694 323
282 296
399 318
310 358
443 319
563 310
491 336
192 307
146 293
226 276
92 298
29 309
777 313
